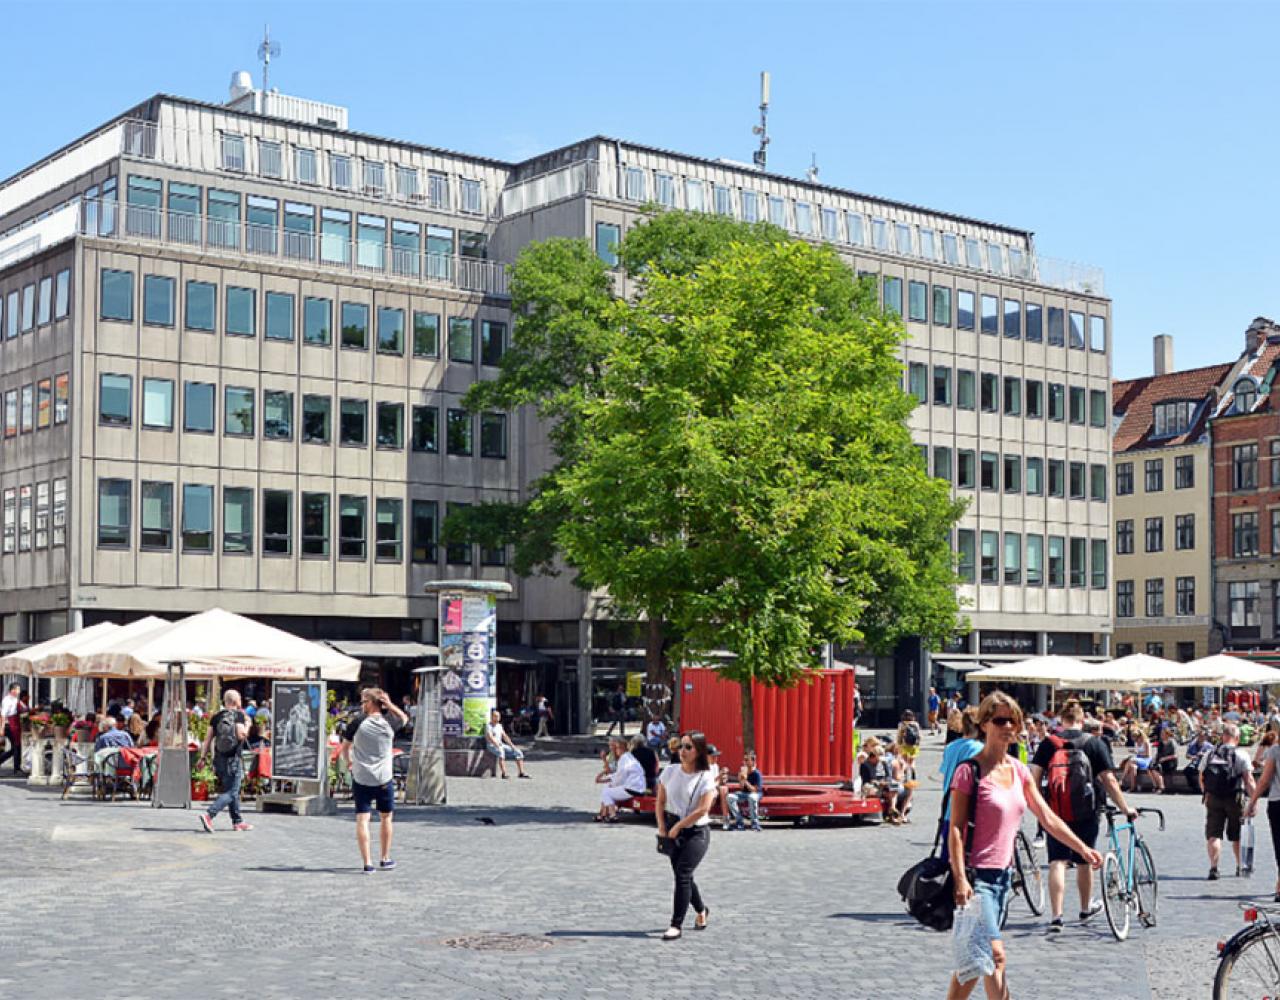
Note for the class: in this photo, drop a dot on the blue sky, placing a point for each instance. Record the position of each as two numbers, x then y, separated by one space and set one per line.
1138 137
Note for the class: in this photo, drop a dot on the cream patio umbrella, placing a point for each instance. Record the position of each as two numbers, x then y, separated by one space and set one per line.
66 662
1128 673
1221 670
1052 670
23 660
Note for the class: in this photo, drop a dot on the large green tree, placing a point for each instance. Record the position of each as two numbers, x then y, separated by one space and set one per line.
733 459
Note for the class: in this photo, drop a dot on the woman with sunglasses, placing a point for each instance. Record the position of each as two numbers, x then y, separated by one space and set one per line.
686 792
1005 790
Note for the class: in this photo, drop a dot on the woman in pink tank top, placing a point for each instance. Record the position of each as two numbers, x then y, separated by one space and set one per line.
1005 790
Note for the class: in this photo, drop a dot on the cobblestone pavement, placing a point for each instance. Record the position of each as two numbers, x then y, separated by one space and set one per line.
135 902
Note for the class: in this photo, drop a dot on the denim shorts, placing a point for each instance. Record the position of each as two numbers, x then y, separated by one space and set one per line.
991 889
366 797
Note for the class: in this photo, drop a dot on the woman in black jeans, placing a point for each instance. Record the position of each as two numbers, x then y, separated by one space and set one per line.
686 792
1268 785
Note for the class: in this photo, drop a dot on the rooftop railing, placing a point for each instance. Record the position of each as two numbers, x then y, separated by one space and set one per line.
326 251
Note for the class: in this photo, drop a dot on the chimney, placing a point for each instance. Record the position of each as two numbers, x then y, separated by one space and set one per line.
1258 331
1162 345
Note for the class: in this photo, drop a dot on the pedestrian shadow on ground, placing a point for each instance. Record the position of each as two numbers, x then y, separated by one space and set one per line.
302 870
874 918
604 934
476 816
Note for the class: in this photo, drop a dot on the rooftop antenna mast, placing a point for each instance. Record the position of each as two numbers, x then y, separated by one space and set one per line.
812 171
761 155
266 50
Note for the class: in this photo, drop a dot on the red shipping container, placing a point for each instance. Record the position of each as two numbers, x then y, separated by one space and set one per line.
804 734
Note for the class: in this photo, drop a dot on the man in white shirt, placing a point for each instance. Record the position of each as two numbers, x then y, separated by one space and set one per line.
1226 774
498 743
12 709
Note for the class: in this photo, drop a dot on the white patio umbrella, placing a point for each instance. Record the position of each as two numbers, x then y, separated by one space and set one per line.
218 643
1229 671
66 662
1128 673
23 660
1054 670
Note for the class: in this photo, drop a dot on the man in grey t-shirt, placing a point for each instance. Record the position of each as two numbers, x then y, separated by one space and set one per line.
366 748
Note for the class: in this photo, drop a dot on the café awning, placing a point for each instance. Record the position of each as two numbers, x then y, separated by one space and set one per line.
383 649
1052 669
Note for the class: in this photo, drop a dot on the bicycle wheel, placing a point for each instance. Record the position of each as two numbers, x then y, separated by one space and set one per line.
1145 884
1252 969
1115 897
1030 877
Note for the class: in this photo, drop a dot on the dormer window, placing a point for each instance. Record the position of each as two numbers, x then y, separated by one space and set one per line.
1246 393
1173 417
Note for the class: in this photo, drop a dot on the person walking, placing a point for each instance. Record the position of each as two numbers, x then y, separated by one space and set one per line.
935 703
228 730
618 711
686 792
995 794
1268 786
1224 774
366 747
1078 766
542 708
12 709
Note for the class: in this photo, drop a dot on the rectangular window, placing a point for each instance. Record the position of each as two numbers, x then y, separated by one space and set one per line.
198 407
1035 331
270 160
157 403
457 553
237 408
1124 599
965 390
1097 408
315 525
24 518
1076 408
406 246
11 517
830 221
62 295
389 526
1012 318
1057 327
1012 396
406 183
1154 534
461 340
42 515
1244 534
426 335
277 415
918 381
1184 530
493 435
262 220
117 296
233 152
1012 557
918 301
1097 482
1098 563
197 518
1076 329
854 228
990 395
693 195
1124 479
438 190
493 342
237 520
990 557
423 531
279 316
201 309
1057 401
157 300
1097 334
1124 537
316 417
964 310
375 177
941 305
990 463
1057 477
990 314
317 319
608 236
390 331
304 166
351 527
665 191
44 403
61 398
1153 475
157 515
44 311
390 417
113 514
1035 398
425 429
1035 560
277 522
472 200
355 326
1079 567
941 385
242 311
458 432
966 555
1035 477
893 295
115 401
1012 474
1243 602
966 471
1184 588
223 208
942 463
634 178
340 172
1155 598
353 421
1244 467
28 308
335 236
750 207
902 239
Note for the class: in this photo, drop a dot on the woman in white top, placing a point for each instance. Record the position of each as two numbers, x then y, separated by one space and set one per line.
686 792
626 781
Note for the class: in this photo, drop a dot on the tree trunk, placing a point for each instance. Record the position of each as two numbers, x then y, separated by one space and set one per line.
748 716
658 682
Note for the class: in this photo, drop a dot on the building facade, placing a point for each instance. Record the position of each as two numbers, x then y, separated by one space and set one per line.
236 337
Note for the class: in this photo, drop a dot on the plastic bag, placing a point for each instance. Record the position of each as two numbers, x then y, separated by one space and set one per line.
1247 847
970 946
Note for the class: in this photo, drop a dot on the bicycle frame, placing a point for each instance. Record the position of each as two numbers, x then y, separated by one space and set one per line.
1125 855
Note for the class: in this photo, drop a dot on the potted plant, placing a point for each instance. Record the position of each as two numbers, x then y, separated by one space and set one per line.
203 779
60 719
39 723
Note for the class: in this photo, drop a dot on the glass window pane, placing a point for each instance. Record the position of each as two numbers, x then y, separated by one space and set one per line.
351 527
608 237
315 524
461 340
391 425
238 418
277 522
197 518
237 519
115 399
62 294
201 306
317 317
458 432
277 415
156 516
157 300
353 422
241 311
493 435
493 342
390 530
390 331
157 403
426 335
423 528
279 316
355 325
117 297
198 407
425 429
113 513
316 411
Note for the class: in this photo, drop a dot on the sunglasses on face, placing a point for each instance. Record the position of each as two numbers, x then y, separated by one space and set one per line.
687 746
1001 720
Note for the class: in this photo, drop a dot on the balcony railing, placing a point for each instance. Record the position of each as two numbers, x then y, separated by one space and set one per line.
327 251
563 182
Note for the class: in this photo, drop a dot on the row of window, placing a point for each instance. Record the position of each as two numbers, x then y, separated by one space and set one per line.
303 165
1012 396
991 472
36 304
48 528
37 405
1065 327
1154 606
316 419
1186 651
1184 534
196 530
1243 607
1184 475
1075 562
280 318
810 219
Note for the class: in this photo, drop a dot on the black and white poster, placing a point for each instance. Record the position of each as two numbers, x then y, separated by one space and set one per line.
297 729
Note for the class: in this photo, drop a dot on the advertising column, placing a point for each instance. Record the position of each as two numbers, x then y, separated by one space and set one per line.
468 629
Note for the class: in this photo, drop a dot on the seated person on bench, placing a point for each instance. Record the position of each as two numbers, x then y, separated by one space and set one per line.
750 788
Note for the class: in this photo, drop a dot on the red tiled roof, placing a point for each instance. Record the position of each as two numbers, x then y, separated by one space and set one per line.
1133 400
1258 368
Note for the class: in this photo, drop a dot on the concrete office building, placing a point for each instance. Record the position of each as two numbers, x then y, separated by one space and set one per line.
236 336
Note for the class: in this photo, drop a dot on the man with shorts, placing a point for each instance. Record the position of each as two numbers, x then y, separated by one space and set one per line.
1226 774
498 743
367 751
1073 737
935 703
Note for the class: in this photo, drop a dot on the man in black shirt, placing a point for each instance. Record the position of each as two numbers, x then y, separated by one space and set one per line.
228 730
1086 828
647 759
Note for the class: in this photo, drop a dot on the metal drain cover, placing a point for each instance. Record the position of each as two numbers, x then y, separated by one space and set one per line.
498 942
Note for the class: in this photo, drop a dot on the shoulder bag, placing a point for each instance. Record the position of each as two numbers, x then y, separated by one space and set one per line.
928 886
671 846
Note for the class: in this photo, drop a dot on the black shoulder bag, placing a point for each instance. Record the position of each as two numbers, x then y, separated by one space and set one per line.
928 886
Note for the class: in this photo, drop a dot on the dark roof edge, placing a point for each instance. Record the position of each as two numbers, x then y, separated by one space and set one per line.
1182 371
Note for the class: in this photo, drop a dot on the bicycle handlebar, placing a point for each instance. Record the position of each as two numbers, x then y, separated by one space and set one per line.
1113 812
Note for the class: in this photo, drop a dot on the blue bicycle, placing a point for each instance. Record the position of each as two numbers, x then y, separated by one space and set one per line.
1129 880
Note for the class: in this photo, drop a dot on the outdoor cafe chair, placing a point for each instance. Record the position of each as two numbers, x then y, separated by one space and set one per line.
76 767
116 776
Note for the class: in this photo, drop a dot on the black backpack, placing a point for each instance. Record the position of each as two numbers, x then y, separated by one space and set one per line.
1222 774
226 740
911 734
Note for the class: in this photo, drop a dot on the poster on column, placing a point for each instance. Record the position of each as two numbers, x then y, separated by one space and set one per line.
452 687
477 682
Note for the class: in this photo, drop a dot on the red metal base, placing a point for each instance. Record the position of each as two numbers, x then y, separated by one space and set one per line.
794 802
